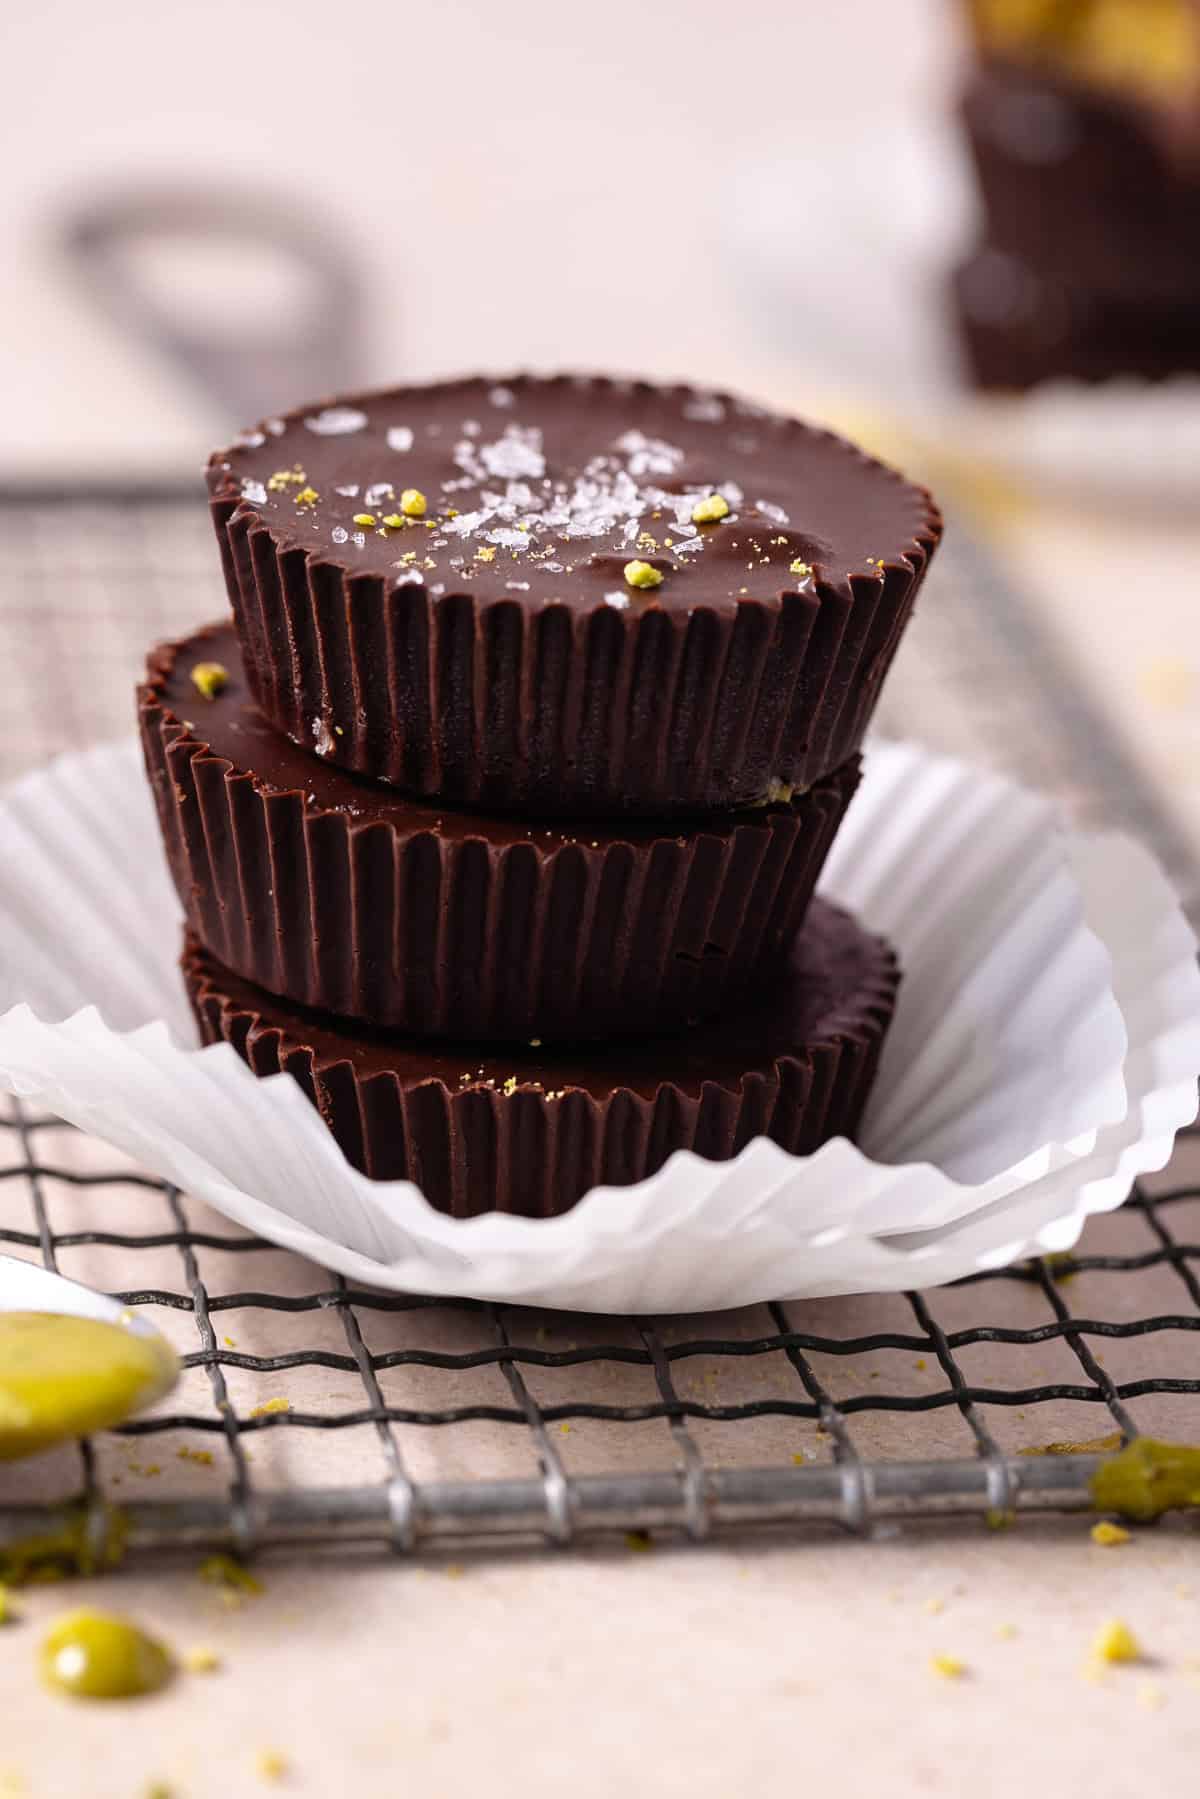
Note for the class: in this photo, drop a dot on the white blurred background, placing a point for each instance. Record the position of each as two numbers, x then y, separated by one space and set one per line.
766 195
533 183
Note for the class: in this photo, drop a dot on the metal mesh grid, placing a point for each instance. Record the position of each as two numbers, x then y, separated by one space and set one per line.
837 1480
415 1422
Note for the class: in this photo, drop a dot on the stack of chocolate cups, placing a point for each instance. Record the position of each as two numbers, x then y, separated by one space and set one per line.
1082 118
497 809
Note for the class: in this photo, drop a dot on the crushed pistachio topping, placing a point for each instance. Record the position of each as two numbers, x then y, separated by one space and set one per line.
799 568
504 504
208 678
1109 1536
1085 1446
1147 1479
283 478
270 1406
223 1571
66 1552
202 1457
949 1667
1115 1642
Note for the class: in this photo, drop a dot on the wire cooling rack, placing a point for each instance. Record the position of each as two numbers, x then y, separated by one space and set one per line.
781 1368
312 1411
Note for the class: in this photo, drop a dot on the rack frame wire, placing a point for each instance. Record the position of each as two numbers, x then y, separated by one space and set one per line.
694 1501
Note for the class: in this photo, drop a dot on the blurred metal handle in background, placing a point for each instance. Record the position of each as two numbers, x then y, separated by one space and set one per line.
208 317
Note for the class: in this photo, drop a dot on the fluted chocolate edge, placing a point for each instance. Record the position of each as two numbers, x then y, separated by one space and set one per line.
474 937
558 710
526 1148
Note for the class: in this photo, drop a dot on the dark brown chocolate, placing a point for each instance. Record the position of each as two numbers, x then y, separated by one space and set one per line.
1019 329
496 649
343 895
529 1131
1078 186
1143 55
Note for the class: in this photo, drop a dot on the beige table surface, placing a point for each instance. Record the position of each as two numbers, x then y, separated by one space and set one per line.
738 1668
732 1670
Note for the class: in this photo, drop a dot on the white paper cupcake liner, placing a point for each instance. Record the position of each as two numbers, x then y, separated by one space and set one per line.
1045 1052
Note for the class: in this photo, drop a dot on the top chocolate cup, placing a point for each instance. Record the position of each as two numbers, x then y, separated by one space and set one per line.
568 595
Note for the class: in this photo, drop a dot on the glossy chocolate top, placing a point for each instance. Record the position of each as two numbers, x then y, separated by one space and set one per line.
838 983
543 490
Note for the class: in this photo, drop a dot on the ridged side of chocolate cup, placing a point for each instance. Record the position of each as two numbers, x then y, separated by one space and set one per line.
491 932
526 1145
560 709
563 713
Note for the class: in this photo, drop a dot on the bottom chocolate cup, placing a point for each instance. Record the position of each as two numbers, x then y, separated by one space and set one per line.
530 1131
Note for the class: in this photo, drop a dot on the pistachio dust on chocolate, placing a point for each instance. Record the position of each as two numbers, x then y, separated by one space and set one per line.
549 488
567 594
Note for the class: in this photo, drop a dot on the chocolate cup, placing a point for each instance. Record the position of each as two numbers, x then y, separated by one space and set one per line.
533 683
345 896
530 1131
1083 187
1019 329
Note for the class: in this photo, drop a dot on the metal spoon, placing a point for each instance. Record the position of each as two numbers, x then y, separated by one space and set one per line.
71 1360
